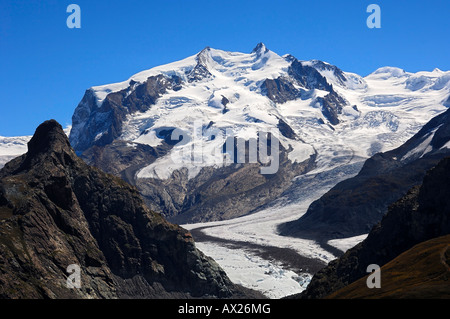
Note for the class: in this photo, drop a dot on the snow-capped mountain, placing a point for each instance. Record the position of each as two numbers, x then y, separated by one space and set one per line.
322 117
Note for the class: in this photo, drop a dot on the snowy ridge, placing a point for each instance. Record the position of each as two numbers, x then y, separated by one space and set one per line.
236 77
179 68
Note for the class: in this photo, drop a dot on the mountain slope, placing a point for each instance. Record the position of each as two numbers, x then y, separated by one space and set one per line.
353 206
56 211
421 215
174 124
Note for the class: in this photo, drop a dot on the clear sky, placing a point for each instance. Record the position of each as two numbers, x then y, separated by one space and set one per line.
46 67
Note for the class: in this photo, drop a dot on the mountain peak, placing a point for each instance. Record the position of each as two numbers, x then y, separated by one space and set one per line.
260 48
289 57
204 51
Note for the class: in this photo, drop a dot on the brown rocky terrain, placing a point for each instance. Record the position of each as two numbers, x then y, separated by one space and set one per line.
56 211
216 193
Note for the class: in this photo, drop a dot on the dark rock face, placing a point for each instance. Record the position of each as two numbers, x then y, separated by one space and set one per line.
338 74
214 194
447 103
422 214
123 159
421 272
355 205
55 211
280 90
308 76
200 71
332 104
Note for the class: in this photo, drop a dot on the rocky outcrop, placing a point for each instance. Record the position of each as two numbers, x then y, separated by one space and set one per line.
323 66
331 104
422 214
280 90
56 211
94 124
215 193
308 77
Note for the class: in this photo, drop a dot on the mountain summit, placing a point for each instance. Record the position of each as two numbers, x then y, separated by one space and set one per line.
321 116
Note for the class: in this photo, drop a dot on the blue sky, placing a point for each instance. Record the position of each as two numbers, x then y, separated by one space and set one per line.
46 67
